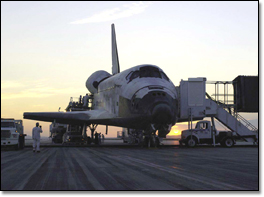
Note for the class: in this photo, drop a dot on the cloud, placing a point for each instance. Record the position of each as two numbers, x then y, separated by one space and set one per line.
11 84
40 93
30 89
115 13
24 95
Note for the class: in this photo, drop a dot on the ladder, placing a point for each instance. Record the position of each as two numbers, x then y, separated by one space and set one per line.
245 122
235 122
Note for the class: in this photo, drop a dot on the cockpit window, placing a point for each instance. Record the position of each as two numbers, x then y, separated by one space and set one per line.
164 76
134 75
156 73
147 71
129 75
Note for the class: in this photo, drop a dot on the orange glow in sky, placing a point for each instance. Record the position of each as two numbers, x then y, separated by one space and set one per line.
175 130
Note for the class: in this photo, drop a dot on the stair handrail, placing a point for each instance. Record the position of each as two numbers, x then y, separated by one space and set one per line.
248 124
240 118
244 121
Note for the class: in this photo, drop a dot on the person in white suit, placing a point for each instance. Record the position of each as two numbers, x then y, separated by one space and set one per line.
36 137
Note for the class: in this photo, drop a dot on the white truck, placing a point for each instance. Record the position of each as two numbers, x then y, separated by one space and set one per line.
12 133
57 132
205 134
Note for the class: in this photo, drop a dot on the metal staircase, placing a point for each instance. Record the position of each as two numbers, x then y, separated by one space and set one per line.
246 123
234 121
193 105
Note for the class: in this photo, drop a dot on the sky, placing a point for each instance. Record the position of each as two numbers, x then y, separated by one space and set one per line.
49 49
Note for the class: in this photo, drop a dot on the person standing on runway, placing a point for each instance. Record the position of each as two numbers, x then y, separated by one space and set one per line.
36 137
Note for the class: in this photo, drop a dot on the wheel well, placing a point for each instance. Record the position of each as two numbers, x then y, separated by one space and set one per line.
226 137
224 134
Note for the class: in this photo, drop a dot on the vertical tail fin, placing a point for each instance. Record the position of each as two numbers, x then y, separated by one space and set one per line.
115 61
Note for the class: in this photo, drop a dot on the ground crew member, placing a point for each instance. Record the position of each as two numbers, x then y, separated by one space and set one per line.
85 101
99 138
96 140
36 137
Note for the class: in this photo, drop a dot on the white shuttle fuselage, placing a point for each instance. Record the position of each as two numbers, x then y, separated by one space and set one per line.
142 97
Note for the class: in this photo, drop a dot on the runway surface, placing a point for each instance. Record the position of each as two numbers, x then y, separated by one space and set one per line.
130 168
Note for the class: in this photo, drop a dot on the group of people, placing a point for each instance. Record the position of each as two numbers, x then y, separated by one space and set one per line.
98 138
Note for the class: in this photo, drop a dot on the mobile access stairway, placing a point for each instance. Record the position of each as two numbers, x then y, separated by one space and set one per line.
193 105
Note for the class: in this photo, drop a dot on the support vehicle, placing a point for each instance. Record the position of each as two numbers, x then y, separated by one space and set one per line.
73 135
204 133
57 131
12 133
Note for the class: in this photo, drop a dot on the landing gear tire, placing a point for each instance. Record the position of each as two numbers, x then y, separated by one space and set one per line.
149 141
17 146
152 141
191 142
180 143
146 141
157 142
21 142
228 142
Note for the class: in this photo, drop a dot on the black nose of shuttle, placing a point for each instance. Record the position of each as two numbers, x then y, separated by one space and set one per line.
162 114
157 105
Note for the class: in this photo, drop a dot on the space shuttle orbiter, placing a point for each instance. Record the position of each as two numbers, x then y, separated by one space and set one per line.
141 97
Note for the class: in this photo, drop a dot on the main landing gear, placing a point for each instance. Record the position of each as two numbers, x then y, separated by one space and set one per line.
92 128
151 139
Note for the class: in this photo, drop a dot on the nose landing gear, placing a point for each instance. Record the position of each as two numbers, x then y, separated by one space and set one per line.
151 139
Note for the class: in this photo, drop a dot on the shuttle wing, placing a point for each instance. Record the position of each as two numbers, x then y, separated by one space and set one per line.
75 117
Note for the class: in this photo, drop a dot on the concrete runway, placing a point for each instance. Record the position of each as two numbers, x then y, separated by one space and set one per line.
130 168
